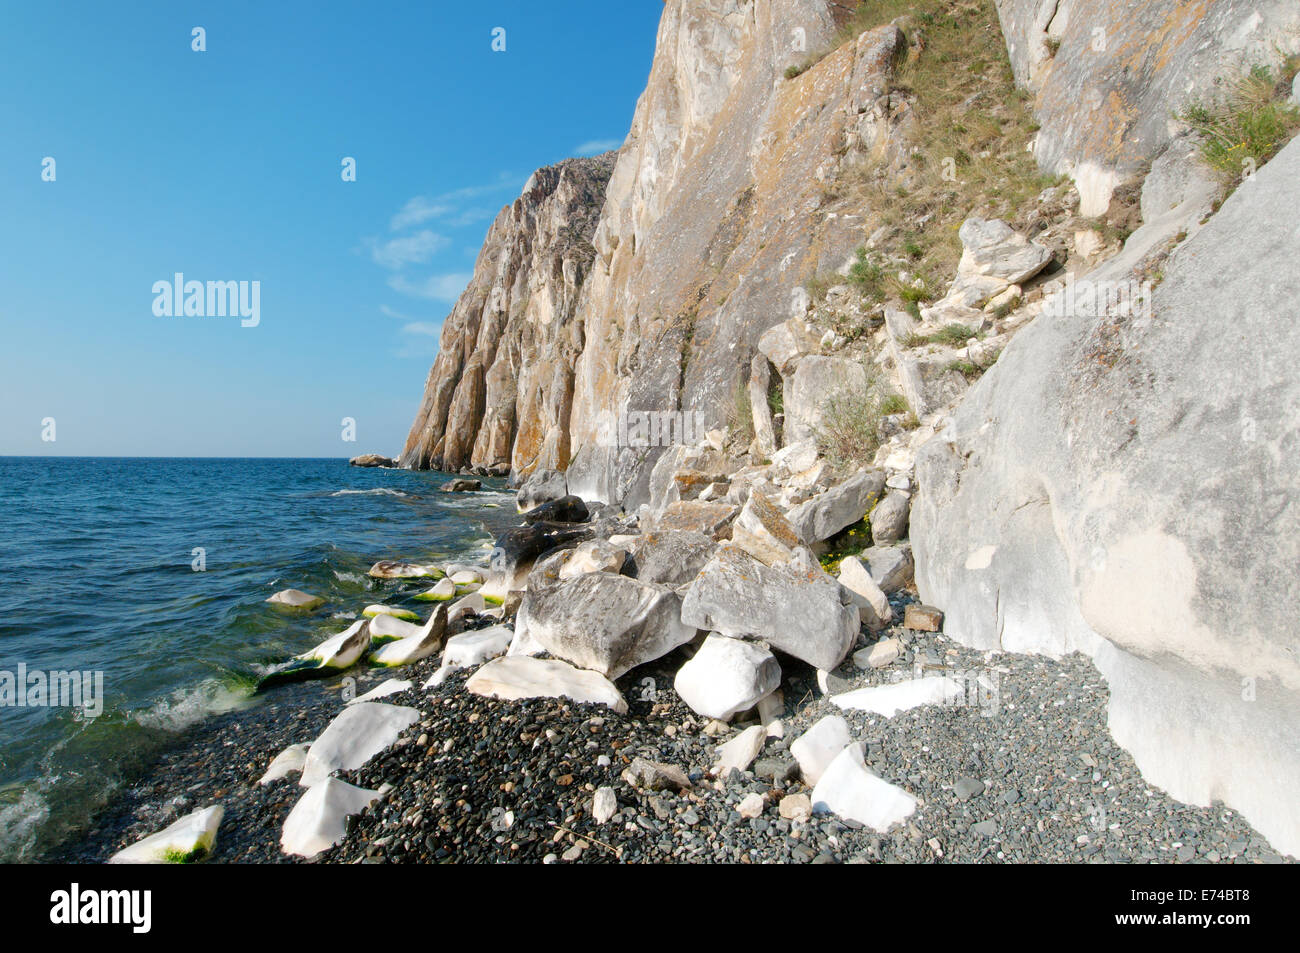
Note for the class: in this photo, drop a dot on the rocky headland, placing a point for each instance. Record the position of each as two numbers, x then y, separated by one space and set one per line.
903 428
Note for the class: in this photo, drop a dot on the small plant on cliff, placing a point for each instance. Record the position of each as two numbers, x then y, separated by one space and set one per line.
849 434
740 415
1250 123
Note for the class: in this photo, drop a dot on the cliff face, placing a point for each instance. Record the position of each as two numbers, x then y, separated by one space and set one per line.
716 214
499 393
1109 75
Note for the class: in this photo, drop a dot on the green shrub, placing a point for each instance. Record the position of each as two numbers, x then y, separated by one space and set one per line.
1250 123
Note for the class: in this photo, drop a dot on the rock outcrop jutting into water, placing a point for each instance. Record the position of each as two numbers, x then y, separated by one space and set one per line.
499 394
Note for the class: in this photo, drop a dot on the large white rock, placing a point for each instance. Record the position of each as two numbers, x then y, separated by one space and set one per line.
889 700
317 820
356 735
739 753
595 555
421 643
817 747
335 654
178 842
469 649
851 790
796 607
727 676
296 599
822 516
607 623
1133 505
521 676
873 605
287 762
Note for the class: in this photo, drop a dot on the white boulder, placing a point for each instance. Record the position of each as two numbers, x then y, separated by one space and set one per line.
180 842
356 735
817 747
316 822
849 789
521 676
727 676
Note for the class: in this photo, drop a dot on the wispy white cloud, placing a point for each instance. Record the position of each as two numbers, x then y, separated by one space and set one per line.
414 249
452 205
595 147
427 328
445 287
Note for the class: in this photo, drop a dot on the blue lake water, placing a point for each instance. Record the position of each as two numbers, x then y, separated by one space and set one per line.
98 574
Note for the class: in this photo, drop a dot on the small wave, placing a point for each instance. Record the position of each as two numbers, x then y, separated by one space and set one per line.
370 492
344 615
344 576
20 822
188 706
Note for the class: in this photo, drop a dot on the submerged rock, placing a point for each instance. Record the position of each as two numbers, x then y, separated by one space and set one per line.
332 656
372 460
415 645
461 485
296 599
405 615
396 569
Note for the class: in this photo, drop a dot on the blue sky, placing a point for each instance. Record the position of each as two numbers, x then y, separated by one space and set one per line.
225 165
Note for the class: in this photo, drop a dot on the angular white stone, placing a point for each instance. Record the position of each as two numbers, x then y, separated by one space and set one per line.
851 790
316 821
727 676
385 688
287 762
604 805
520 676
751 805
873 605
387 628
471 648
420 643
342 650
465 577
356 735
739 753
879 655
471 604
444 590
817 747
178 840
889 700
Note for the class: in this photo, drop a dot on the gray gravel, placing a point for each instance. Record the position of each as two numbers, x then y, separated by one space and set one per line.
1022 771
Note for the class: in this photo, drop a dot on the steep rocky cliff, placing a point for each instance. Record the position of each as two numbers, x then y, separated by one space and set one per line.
499 393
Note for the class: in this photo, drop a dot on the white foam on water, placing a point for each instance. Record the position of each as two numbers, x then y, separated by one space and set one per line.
188 706
371 492
20 821
343 576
